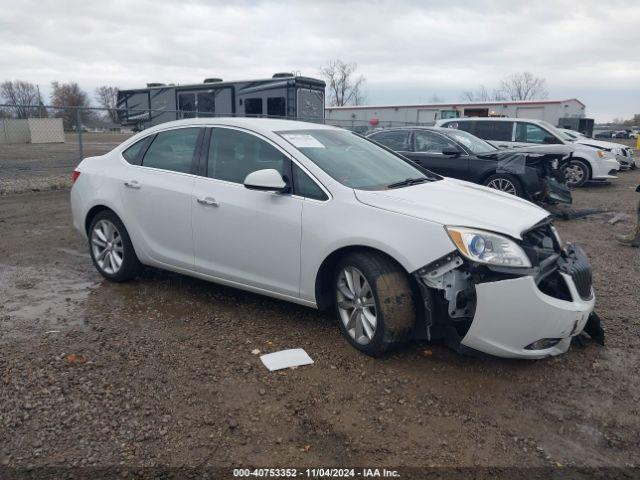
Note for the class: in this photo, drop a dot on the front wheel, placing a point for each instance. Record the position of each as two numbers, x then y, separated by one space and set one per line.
506 183
111 248
374 302
576 173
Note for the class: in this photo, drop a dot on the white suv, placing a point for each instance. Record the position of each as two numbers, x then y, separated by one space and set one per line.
588 163
623 153
322 217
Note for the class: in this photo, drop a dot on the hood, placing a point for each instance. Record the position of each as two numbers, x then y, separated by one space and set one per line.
598 144
455 202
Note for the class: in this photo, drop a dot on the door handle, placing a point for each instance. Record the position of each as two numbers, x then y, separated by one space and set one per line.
208 201
132 184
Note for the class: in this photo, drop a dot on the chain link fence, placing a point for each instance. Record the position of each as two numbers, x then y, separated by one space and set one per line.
40 145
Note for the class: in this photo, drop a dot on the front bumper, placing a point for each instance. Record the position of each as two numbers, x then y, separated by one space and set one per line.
514 313
605 169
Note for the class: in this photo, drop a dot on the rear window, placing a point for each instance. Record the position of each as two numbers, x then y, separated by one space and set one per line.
395 140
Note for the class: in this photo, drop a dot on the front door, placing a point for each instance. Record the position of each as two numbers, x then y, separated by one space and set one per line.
240 235
427 152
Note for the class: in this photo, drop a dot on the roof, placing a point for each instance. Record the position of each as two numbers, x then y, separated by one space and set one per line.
456 104
255 124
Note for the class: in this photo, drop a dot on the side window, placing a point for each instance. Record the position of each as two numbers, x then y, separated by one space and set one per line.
499 131
530 133
133 154
397 140
429 142
304 186
172 150
253 106
276 106
234 154
460 125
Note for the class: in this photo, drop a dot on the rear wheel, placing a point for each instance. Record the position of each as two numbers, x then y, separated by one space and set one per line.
374 302
111 248
577 173
505 183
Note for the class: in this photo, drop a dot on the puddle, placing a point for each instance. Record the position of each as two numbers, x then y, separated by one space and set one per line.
37 300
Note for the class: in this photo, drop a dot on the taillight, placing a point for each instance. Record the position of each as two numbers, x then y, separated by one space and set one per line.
74 176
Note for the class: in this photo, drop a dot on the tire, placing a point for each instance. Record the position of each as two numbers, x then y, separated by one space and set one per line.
505 182
390 300
577 173
118 246
633 165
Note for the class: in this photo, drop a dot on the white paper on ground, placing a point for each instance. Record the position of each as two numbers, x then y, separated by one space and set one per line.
293 357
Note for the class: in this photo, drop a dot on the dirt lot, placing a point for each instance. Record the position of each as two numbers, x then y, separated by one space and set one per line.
161 372
47 166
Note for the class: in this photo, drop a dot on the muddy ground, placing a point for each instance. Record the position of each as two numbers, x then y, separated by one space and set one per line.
160 371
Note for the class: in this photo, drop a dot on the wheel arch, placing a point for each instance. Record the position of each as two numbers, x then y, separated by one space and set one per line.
587 163
324 276
91 214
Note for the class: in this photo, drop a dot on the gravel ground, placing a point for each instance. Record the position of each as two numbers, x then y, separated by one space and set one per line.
160 371
48 166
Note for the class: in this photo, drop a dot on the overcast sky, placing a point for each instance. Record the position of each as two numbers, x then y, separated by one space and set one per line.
408 51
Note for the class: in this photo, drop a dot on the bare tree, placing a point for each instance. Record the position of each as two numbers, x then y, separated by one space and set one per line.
524 86
69 98
21 96
435 99
482 94
344 87
108 98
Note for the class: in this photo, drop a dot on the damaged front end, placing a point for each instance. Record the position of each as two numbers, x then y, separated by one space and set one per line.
541 170
518 312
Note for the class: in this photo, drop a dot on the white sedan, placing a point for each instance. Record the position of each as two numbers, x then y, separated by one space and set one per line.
322 217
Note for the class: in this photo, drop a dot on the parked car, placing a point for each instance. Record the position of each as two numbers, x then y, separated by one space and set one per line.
603 134
620 134
623 153
323 217
588 163
534 173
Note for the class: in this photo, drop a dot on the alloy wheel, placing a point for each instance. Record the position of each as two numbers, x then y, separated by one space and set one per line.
106 246
574 174
356 305
503 185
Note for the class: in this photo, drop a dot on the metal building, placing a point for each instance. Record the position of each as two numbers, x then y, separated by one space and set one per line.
551 111
284 95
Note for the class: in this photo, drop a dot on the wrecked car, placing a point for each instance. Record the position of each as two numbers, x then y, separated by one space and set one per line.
323 217
535 173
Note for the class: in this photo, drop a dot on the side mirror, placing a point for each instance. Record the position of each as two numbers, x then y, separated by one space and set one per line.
268 180
550 140
451 151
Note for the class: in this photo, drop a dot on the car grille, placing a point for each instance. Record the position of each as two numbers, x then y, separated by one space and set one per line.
576 264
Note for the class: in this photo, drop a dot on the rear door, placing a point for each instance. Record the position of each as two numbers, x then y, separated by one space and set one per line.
157 195
246 236
427 152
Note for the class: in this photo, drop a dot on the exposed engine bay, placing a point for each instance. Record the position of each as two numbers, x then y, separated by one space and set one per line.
559 275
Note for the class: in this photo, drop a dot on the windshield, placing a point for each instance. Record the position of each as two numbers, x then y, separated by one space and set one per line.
471 142
352 160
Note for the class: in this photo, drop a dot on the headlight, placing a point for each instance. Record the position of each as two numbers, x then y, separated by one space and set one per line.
486 247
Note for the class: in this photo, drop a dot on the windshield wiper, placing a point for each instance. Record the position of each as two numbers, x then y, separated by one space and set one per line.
408 182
